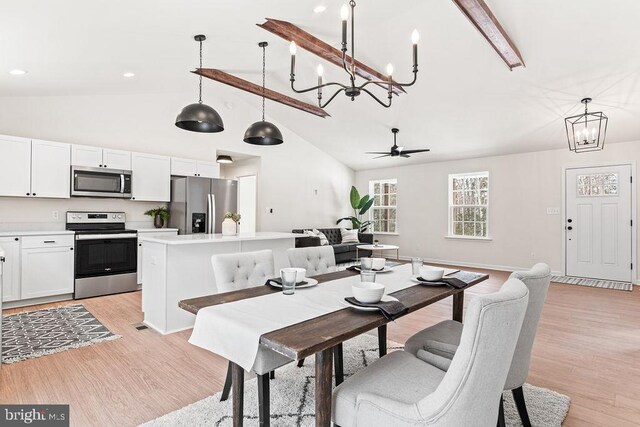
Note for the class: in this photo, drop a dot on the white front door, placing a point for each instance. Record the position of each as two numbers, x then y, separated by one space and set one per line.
598 226
247 193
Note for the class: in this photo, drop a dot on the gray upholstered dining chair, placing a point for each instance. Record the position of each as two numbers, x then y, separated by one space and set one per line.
437 344
240 271
315 259
402 390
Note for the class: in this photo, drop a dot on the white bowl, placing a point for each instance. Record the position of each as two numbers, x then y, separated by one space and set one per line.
378 263
367 292
301 273
431 273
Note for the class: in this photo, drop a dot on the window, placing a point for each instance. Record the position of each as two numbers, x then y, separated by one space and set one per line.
598 184
469 205
383 211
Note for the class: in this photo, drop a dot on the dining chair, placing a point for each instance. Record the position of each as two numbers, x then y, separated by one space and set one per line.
315 259
438 344
240 271
403 390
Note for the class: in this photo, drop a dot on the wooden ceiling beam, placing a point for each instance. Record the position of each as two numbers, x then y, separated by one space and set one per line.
247 86
311 43
486 22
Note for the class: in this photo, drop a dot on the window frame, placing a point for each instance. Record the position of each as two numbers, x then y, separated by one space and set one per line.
372 184
450 223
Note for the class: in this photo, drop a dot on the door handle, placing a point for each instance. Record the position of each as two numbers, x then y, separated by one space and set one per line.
569 220
569 228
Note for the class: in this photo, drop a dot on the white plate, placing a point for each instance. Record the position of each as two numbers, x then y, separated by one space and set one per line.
415 279
385 298
384 270
310 282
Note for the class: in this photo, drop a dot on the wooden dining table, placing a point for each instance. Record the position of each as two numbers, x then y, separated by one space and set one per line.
322 335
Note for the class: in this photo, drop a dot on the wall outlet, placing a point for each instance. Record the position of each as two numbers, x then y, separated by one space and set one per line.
553 211
55 215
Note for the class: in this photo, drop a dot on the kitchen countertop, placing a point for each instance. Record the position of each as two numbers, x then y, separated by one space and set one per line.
155 230
35 233
191 239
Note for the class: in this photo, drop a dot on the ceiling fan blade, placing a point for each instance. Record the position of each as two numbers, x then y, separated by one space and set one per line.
377 152
415 151
379 157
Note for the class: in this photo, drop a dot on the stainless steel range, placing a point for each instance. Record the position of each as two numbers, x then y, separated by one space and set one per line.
106 253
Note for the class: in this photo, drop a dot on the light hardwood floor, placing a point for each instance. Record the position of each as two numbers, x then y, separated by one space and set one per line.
588 347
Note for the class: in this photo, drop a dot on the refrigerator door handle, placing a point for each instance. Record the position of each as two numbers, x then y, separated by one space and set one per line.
211 213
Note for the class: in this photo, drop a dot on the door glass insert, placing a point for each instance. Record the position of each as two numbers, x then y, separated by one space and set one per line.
597 184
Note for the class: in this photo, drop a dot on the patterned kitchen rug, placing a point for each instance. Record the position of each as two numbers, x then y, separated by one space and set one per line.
594 283
52 330
292 397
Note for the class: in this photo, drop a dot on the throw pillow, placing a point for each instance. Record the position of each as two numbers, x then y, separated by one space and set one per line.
323 239
349 236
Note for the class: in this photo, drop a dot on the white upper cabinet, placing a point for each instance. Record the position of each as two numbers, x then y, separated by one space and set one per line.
116 159
189 167
96 157
50 169
85 155
151 180
15 166
184 167
208 169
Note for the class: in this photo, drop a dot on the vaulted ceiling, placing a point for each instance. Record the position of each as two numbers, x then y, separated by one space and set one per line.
466 103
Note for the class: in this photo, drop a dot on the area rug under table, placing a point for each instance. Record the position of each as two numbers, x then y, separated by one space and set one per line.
292 397
52 330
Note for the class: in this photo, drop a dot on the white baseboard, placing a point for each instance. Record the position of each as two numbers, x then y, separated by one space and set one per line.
478 265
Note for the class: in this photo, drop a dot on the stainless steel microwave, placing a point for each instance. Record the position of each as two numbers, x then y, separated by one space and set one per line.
100 182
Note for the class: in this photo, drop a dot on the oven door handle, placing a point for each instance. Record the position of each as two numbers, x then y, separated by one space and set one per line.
105 236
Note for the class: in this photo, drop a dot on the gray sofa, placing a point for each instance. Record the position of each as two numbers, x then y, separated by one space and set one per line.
344 252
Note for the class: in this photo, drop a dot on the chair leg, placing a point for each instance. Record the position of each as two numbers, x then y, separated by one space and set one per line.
518 397
382 340
264 400
227 385
501 422
337 364
300 363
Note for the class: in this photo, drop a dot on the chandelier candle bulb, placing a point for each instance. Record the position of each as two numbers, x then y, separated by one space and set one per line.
415 37
292 50
344 14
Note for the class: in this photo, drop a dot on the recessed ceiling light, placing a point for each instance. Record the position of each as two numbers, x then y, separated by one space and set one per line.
319 9
17 72
128 74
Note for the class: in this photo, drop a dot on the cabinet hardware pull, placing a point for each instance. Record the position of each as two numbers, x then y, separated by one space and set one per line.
16 239
49 241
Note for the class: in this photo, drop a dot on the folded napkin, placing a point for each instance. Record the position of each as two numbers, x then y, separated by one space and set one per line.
450 281
391 309
278 282
353 268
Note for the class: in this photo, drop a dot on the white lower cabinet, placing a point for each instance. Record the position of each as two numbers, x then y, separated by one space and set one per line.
141 236
46 266
11 274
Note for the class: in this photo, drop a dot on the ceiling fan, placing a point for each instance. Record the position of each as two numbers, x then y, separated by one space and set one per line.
395 150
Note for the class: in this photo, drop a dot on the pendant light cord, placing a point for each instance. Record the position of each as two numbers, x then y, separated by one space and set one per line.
200 86
264 49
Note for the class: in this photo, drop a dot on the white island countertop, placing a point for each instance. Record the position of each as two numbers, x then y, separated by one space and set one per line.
191 239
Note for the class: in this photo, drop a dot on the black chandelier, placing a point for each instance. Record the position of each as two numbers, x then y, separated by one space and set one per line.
586 132
199 117
351 90
263 132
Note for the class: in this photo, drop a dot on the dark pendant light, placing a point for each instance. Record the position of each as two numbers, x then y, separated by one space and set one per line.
199 117
586 132
262 132
223 158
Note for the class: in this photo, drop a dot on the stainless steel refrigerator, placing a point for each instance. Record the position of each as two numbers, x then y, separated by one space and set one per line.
198 205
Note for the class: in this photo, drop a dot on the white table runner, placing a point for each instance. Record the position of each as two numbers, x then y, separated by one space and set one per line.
233 330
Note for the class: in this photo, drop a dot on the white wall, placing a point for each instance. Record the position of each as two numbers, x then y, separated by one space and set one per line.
290 173
522 187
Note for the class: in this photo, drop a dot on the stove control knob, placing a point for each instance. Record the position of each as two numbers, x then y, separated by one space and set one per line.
119 216
113 216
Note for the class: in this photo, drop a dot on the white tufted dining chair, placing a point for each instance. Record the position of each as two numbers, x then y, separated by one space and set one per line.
315 259
240 271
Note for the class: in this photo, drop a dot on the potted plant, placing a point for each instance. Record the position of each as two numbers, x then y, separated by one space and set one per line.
159 215
360 206
230 224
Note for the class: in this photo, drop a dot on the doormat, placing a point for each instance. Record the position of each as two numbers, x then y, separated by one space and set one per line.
594 283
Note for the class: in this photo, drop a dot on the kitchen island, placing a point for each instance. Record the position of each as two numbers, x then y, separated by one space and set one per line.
179 267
